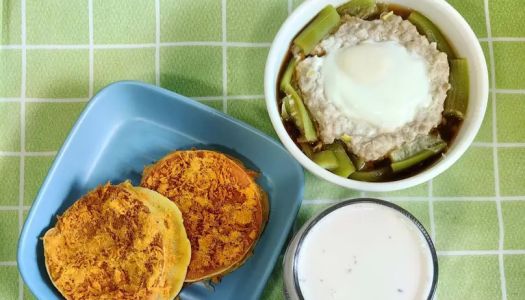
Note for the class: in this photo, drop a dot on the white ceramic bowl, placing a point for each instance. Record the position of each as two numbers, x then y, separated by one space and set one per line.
461 37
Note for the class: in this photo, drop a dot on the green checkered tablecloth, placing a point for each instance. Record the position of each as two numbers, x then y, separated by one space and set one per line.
55 54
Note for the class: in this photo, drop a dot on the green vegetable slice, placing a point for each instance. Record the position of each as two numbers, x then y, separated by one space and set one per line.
346 138
326 159
358 8
288 73
345 166
421 143
430 30
302 118
457 98
285 109
292 111
358 162
380 174
325 21
418 158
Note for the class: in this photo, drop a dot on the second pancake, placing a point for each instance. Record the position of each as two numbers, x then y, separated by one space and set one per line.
224 210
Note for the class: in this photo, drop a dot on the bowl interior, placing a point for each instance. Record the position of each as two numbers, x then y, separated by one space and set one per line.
462 39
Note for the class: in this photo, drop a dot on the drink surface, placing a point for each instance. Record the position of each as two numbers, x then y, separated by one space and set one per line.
365 251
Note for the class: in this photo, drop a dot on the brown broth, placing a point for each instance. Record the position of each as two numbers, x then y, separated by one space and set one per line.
399 10
447 129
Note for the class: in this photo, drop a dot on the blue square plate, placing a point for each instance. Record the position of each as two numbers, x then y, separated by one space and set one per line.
129 125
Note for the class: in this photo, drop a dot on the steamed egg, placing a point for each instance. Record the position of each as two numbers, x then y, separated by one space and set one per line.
380 83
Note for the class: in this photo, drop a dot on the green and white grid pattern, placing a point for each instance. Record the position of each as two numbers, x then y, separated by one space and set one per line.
55 54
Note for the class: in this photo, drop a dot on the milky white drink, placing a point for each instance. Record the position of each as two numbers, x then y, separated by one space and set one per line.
365 251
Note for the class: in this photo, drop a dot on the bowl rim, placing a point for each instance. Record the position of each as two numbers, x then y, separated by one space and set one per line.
313 221
460 146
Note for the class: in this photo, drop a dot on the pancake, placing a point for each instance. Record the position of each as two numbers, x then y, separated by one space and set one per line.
224 210
118 242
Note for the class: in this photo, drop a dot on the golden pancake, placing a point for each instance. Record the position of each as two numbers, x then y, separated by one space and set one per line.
118 242
224 210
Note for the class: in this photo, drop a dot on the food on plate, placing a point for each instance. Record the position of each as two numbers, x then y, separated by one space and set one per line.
197 217
223 208
366 82
118 242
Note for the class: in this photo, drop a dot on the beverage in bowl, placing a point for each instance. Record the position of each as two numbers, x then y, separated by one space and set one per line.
376 96
361 249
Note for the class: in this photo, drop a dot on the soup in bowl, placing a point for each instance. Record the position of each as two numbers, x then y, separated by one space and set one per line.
373 95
